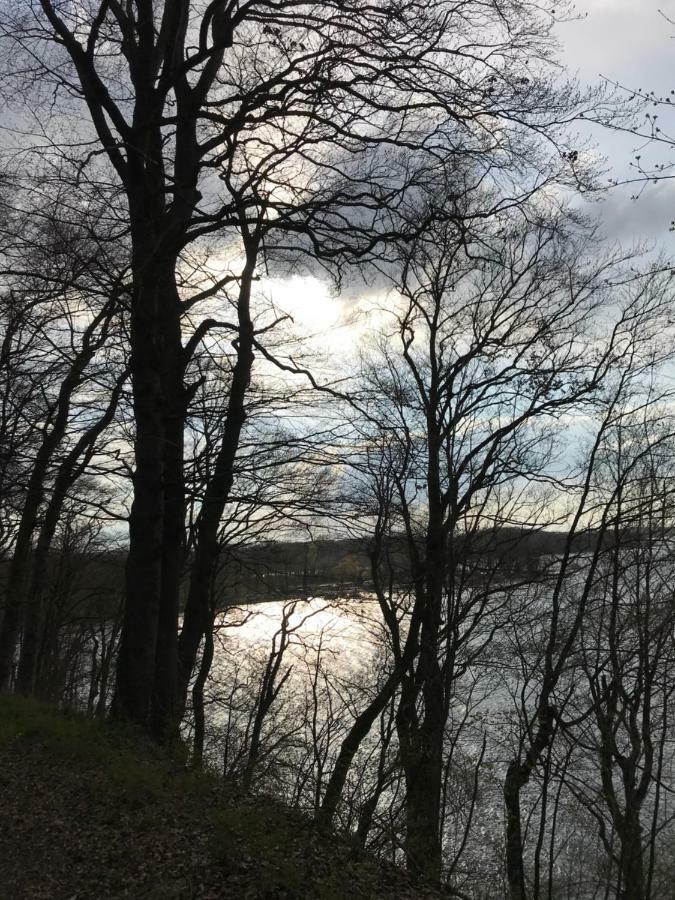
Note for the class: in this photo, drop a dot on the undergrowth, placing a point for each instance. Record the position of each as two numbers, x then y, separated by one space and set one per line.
253 846
122 759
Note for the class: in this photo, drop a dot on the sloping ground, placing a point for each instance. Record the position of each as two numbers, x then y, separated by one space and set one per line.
87 813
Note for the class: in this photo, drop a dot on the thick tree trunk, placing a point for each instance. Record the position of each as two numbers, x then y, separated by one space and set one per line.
632 867
165 721
423 843
138 640
422 758
515 870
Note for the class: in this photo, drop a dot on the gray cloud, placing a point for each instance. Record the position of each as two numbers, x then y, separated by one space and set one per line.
629 42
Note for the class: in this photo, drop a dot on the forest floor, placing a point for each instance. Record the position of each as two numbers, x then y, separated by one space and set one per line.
86 812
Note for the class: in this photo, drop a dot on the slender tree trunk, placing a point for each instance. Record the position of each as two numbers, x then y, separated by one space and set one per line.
106 660
515 870
368 810
94 675
349 747
69 470
53 435
517 776
196 618
45 679
16 582
30 646
198 698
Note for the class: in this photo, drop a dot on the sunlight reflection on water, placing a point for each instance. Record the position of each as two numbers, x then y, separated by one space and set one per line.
345 628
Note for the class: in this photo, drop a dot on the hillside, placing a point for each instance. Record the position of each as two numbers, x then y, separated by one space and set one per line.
90 813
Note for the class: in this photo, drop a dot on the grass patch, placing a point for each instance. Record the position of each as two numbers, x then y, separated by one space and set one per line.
290 858
123 762
247 835
25 719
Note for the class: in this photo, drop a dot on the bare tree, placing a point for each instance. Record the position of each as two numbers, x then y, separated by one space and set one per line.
72 308
293 109
638 331
494 346
626 655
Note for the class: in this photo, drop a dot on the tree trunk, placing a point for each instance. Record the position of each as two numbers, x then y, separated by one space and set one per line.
30 646
421 746
421 740
165 721
515 870
138 641
106 664
51 439
16 584
632 869
196 618
517 776
69 470
423 778
198 699
350 745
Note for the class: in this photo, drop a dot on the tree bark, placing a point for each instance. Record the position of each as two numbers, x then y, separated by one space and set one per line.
632 868
138 641
421 746
165 721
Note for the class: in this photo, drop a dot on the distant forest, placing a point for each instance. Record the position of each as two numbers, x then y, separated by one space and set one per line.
281 569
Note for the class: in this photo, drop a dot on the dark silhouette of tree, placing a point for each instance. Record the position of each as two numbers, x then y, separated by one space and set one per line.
61 323
260 122
486 349
572 594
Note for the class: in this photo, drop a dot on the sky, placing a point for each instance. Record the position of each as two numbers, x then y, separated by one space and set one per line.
630 42
625 41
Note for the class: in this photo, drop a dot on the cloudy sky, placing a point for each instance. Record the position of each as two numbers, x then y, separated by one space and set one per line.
630 42
626 41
